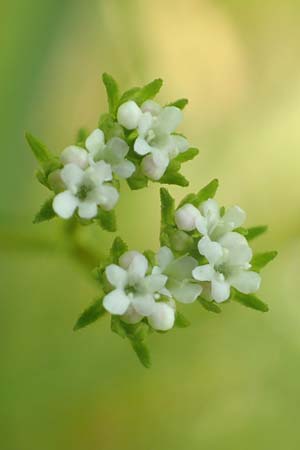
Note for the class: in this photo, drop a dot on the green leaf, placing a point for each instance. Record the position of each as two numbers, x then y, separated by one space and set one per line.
167 205
180 103
241 230
107 220
181 321
254 232
117 326
188 155
137 181
209 306
209 191
91 314
40 151
118 248
260 260
250 300
149 91
129 95
190 198
82 136
174 178
112 91
142 352
151 257
46 212
110 127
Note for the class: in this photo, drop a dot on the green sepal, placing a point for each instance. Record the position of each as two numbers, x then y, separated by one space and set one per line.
110 127
42 178
142 352
174 178
117 249
210 306
167 207
117 327
82 136
180 103
188 155
91 314
148 92
112 92
204 194
137 181
151 257
181 321
107 220
249 300
254 232
260 260
46 212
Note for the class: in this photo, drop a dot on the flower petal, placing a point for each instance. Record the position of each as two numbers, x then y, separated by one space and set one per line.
116 150
72 176
181 268
220 290
116 302
212 251
234 217
106 196
95 142
141 147
87 210
238 250
75 155
204 273
131 316
169 119
143 304
184 291
99 173
64 204
186 217
151 107
163 317
154 282
125 169
211 211
129 115
145 124
116 275
135 263
245 281
180 143
164 257
154 165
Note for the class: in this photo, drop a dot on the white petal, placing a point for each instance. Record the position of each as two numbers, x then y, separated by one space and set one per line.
163 317
186 217
151 107
75 155
154 167
234 217
212 251
141 147
180 143
181 268
211 211
143 304
135 263
72 176
184 291
125 169
203 273
238 250
116 275
145 123
116 302
169 119
129 115
64 204
127 258
87 210
131 316
95 142
220 290
154 282
107 197
99 173
246 281
116 150
202 224
55 181
164 257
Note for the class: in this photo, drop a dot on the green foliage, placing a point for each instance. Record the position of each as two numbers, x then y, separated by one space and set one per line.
82 136
45 213
181 321
137 181
142 352
167 204
209 305
91 314
129 95
180 103
40 151
204 194
112 92
250 300
107 220
188 155
254 232
110 127
118 248
148 92
151 257
260 260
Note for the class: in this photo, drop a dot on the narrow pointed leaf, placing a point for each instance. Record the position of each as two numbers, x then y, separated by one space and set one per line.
142 353
118 248
260 260
174 178
91 314
149 91
209 306
181 321
254 232
107 220
188 155
209 191
40 151
131 94
251 301
46 212
180 103
112 92
167 204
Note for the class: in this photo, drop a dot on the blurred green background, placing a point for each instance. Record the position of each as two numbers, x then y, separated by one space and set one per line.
228 381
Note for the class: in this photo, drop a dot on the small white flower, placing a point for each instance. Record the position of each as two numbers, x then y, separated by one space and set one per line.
85 190
180 284
229 264
163 316
75 155
135 293
186 216
155 126
113 153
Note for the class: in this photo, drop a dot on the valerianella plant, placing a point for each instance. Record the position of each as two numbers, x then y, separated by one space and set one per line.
204 254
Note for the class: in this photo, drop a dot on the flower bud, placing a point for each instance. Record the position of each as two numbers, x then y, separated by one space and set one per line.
75 155
163 317
154 168
185 217
129 115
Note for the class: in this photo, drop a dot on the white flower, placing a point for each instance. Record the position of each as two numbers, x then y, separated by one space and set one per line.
163 316
186 216
155 126
180 284
85 190
228 266
135 293
113 152
75 155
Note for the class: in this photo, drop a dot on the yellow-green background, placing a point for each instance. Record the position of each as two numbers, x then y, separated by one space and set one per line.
228 382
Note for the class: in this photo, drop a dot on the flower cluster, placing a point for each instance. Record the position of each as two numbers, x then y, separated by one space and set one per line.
204 254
